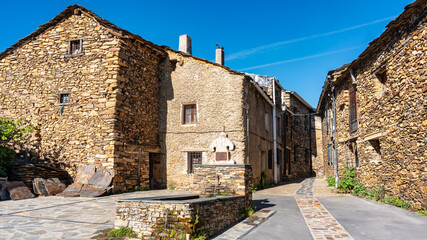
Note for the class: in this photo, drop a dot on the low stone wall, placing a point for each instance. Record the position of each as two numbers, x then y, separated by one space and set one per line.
154 218
233 179
27 173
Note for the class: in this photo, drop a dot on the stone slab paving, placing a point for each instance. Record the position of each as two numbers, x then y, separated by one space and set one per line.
322 225
63 218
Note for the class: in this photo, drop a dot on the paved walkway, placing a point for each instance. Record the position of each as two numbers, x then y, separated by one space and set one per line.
309 210
62 218
302 210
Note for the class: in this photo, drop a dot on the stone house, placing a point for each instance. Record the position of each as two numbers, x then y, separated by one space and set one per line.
106 97
373 111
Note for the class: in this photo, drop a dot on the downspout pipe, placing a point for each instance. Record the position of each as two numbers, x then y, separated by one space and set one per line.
274 134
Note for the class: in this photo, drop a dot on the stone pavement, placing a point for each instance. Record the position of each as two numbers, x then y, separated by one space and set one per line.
62 218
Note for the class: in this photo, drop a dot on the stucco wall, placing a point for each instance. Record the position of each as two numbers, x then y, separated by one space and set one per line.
218 95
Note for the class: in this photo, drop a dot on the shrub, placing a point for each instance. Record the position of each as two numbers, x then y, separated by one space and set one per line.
331 181
122 232
347 181
248 210
11 132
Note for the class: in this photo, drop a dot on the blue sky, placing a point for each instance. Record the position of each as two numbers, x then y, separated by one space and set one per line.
296 41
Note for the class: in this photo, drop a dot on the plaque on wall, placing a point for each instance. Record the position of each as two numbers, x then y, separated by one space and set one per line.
221 156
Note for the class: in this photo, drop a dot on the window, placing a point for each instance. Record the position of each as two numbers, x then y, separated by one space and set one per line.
64 98
190 114
193 159
379 83
270 159
353 108
75 47
266 121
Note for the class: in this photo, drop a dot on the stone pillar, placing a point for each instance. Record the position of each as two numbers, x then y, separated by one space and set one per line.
185 44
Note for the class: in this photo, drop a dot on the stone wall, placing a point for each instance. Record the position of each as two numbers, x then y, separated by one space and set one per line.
388 149
32 77
223 180
137 112
260 140
396 112
153 219
218 95
317 151
27 173
298 129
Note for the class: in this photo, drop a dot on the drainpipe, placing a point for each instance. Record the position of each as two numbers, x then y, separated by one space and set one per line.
334 134
274 134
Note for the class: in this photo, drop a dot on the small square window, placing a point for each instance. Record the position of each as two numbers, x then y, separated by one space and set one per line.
190 114
75 47
193 159
382 75
64 98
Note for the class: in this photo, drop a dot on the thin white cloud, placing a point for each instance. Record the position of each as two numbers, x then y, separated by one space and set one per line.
300 58
247 52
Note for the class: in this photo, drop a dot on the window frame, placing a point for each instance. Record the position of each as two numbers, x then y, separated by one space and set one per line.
191 156
193 114
70 46
61 97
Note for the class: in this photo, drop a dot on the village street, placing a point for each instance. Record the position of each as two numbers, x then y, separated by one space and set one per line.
330 216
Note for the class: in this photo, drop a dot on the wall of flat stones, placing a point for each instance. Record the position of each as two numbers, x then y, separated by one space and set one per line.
218 94
137 104
393 114
223 179
298 139
27 173
260 139
156 219
317 151
399 113
33 76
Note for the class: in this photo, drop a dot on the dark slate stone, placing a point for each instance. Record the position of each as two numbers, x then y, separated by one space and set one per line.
54 186
101 178
93 191
21 192
39 186
72 191
84 173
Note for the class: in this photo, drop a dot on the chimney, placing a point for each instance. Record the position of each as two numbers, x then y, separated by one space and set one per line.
219 55
185 44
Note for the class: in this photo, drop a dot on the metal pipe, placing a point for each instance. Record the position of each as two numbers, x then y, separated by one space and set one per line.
247 134
274 134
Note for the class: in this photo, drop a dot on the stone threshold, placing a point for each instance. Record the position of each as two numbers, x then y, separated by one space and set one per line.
246 226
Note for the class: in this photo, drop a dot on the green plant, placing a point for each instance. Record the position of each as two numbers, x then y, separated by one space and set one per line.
11 132
122 232
331 181
139 188
264 181
171 187
421 212
248 210
253 188
347 181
